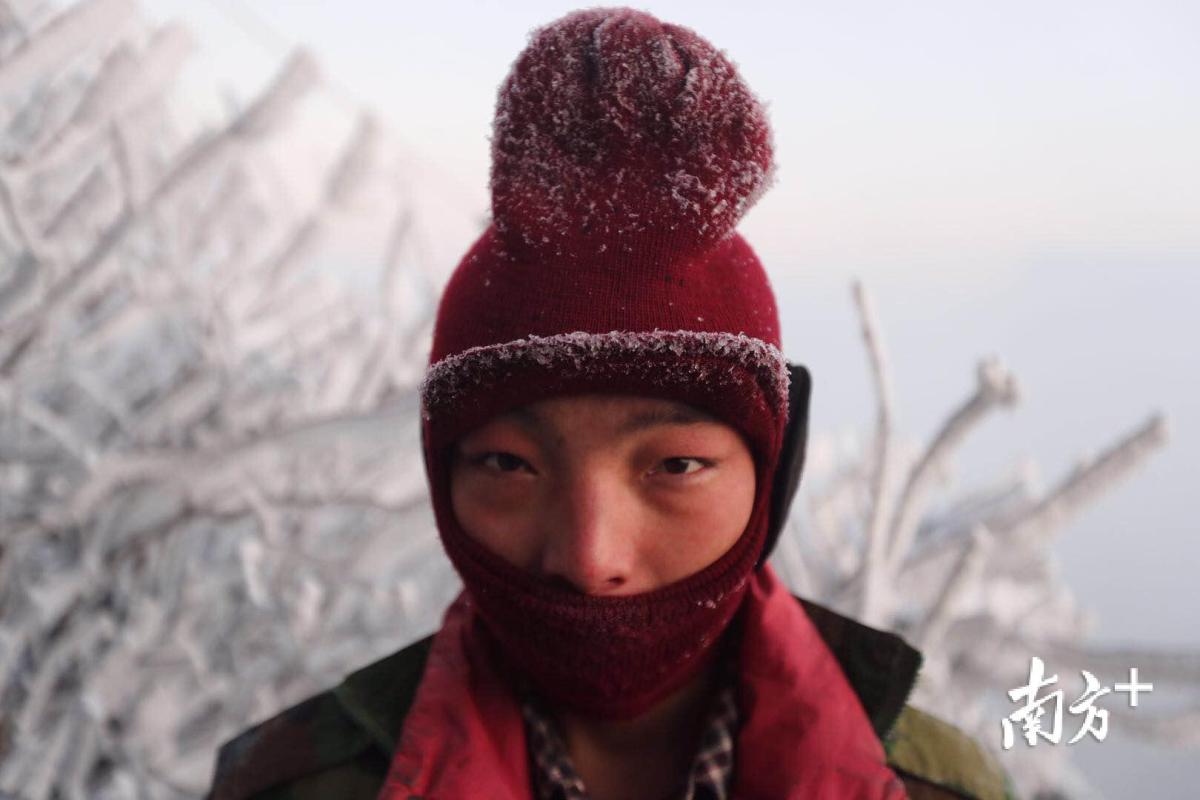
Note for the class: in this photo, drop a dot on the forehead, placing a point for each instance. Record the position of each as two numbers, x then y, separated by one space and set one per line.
623 414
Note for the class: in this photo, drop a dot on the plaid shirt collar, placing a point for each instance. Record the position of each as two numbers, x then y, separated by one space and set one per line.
710 778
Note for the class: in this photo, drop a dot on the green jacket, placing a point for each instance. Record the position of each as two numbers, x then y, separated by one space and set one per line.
339 744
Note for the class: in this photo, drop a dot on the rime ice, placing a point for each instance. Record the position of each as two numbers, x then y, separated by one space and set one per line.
619 113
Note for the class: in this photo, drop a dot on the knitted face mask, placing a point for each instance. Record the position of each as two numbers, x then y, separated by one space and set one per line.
605 656
624 151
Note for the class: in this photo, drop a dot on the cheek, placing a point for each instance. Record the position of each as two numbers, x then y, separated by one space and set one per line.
497 517
694 531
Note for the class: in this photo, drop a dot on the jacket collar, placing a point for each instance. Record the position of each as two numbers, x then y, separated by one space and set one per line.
880 667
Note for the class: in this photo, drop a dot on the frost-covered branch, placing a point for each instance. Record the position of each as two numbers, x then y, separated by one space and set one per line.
1089 480
873 606
971 579
995 388
199 495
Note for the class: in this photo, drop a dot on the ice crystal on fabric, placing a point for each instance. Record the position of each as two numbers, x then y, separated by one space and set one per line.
611 122
579 352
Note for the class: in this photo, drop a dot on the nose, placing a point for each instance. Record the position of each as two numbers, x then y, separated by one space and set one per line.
588 541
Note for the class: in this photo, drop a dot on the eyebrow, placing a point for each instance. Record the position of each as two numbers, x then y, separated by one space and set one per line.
672 415
675 414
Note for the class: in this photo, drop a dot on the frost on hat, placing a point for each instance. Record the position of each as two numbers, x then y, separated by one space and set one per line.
624 152
613 125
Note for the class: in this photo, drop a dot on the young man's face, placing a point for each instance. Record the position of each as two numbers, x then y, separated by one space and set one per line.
611 495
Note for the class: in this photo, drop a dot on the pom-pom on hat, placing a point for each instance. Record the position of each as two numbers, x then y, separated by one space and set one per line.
616 133
624 152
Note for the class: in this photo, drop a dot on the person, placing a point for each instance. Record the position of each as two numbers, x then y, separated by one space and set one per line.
612 438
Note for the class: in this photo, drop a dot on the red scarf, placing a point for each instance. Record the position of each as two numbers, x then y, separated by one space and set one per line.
803 732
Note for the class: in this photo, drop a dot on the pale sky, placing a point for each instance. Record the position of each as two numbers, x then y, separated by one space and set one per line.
939 136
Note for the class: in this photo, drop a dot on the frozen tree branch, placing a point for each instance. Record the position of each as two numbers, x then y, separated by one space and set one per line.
198 492
125 82
995 388
61 40
974 585
298 76
966 573
1089 480
873 606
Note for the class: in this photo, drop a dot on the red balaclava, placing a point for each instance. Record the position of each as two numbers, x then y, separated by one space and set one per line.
624 152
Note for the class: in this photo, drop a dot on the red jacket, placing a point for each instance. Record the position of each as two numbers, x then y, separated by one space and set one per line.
803 731
817 694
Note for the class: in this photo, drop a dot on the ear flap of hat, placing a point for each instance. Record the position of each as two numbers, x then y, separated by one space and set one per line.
791 458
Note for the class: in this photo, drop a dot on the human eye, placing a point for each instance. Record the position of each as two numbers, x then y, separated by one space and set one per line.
502 462
683 465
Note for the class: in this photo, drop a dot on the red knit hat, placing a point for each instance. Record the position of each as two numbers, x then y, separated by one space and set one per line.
624 152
